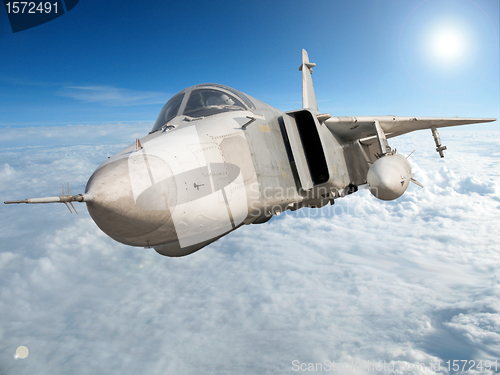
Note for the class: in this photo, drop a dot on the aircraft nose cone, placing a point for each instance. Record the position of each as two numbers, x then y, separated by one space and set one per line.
116 213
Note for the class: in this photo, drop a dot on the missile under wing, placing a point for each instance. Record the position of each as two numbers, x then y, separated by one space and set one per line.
217 159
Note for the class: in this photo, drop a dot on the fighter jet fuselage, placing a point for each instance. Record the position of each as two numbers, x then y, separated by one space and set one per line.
217 159
211 168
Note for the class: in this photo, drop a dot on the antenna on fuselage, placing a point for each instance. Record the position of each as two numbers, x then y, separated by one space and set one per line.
63 198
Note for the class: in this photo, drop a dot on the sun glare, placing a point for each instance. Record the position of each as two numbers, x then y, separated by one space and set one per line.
448 45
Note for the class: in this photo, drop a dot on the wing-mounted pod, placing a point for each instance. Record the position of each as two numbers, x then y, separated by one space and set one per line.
389 176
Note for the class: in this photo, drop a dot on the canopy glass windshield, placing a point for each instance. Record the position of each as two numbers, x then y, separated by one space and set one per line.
169 111
208 102
200 102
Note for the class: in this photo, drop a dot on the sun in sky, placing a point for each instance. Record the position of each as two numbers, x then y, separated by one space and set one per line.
448 44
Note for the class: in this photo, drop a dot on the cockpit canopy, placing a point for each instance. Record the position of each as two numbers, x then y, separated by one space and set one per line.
203 101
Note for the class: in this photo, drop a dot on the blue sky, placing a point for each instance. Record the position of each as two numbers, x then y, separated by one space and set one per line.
121 61
407 281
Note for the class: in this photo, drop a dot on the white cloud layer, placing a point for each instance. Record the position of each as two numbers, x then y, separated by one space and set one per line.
414 280
114 96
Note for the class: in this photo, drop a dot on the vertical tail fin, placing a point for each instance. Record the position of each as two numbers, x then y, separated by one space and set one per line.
308 96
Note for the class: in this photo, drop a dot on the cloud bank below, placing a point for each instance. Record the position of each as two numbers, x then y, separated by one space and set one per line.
410 281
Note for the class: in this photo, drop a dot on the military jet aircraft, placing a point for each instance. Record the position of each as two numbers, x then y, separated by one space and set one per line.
217 159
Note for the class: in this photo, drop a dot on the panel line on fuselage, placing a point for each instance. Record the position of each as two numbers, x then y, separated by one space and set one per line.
228 208
147 166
